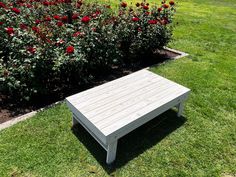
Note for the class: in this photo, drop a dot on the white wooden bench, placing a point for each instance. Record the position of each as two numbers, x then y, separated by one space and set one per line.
114 109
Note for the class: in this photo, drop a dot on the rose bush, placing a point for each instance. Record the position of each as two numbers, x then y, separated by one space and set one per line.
143 30
48 47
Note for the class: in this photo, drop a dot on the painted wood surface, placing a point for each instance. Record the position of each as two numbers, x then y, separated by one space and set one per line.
118 103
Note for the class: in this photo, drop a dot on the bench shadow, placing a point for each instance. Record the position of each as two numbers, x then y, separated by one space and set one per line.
134 143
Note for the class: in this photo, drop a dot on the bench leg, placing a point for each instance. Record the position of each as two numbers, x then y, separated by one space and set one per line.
180 108
111 152
74 121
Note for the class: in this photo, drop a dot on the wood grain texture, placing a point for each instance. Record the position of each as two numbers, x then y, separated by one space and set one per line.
125 103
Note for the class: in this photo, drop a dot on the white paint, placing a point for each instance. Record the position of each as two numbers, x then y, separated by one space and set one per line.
114 109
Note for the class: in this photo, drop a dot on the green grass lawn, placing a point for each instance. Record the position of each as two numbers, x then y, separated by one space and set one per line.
202 143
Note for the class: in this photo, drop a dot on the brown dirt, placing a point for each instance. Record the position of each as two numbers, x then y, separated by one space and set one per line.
9 109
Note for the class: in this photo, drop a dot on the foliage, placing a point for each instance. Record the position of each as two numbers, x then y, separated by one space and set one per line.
202 143
49 46
143 30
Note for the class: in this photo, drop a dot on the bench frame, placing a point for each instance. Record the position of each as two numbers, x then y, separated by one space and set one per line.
109 143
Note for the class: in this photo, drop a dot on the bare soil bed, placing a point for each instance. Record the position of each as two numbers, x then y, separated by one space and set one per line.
10 109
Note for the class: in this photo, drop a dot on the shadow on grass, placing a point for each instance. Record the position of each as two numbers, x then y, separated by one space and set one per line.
134 143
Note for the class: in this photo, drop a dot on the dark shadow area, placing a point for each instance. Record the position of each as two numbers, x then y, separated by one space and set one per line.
134 143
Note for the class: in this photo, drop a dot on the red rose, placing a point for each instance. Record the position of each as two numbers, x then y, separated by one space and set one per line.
145 7
1 23
166 6
53 3
164 21
23 26
85 19
32 50
17 11
46 3
152 21
137 4
64 18
29 6
56 17
77 34
60 24
98 12
20 1
135 19
70 49
159 9
37 21
2 5
47 19
35 29
171 3
10 31
123 4
75 16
